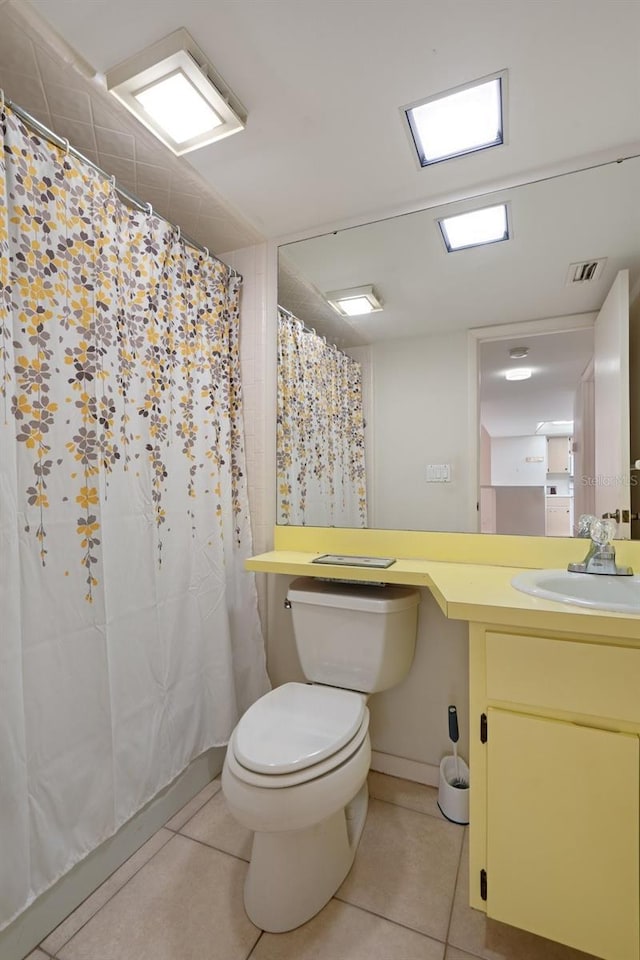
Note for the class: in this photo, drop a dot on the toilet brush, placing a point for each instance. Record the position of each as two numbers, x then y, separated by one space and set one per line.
454 736
453 788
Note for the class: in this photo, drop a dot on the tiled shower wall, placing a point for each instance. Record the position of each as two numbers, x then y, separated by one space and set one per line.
256 333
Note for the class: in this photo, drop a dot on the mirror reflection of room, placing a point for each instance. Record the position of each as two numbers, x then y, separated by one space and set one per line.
570 265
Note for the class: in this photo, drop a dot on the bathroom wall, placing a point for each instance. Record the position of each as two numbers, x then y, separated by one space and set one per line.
519 461
409 732
419 418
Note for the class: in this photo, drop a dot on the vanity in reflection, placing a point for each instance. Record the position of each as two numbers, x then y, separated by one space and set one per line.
554 750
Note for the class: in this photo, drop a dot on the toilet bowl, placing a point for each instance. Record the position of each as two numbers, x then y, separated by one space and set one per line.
296 767
308 816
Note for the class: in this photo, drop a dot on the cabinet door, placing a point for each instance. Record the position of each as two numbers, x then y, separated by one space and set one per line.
558 517
563 854
558 454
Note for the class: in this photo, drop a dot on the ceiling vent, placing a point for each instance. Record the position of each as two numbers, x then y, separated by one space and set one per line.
586 271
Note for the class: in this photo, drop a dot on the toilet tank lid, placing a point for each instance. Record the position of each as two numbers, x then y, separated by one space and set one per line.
370 598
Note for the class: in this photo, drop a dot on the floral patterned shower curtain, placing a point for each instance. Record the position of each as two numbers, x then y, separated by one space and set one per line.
320 431
130 640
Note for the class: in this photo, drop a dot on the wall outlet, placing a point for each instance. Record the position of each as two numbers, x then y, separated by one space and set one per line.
438 472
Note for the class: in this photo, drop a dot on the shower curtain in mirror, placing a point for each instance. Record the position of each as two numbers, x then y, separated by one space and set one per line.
320 431
130 640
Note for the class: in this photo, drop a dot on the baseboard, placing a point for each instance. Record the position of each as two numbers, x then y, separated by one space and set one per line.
406 769
50 909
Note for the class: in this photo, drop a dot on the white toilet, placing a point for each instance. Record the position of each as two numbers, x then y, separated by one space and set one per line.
297 762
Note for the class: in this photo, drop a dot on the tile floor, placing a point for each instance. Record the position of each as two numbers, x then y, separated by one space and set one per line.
180 896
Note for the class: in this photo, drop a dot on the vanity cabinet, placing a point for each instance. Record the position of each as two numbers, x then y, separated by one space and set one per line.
555 795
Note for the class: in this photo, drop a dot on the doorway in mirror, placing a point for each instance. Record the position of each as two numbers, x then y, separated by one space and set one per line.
528 388
554 423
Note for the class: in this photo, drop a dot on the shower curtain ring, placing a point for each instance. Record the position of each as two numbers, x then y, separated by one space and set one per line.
206 252
66 146
178 233
149 210
1 100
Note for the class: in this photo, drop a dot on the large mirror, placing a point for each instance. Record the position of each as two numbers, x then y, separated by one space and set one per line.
450 444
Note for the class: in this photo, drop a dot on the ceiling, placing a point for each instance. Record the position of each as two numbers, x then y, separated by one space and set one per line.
42 74
325 148
515 408
323 84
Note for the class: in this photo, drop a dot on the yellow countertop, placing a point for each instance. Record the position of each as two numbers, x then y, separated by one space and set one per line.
465 591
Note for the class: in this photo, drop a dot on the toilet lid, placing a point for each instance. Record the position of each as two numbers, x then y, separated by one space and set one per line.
295 726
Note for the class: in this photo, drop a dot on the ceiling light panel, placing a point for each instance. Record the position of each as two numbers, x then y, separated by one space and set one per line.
175 92
458 122
475 228
518 373
355 301
177 106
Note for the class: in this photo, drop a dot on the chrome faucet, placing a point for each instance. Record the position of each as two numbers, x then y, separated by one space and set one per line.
601 557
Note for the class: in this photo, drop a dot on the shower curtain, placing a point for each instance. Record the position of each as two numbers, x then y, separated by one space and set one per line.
320 459
130 640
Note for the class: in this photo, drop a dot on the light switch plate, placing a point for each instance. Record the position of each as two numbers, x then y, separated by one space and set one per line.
438 472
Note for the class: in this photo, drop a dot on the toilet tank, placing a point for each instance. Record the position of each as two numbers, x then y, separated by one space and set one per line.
355 636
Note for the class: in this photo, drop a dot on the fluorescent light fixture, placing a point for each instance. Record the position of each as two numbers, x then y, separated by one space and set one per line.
555 428
355 301
518 373
173 90
488 225
460 121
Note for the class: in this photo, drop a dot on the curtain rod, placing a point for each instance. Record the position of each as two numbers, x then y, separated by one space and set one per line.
307 329
292 316
62 142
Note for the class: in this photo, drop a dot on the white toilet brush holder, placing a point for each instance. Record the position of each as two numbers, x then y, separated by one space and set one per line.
453 791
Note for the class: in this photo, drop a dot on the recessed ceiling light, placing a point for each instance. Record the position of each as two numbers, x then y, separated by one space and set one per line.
176 93
518 353
177 106
354 301
460 121
488 225
518 373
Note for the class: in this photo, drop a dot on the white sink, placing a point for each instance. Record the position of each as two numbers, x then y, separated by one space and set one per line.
598 591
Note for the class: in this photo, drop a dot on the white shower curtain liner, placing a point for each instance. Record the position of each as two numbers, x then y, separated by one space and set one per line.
130 639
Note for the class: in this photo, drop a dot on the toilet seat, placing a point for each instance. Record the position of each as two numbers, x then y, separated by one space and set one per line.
296 726
285 726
